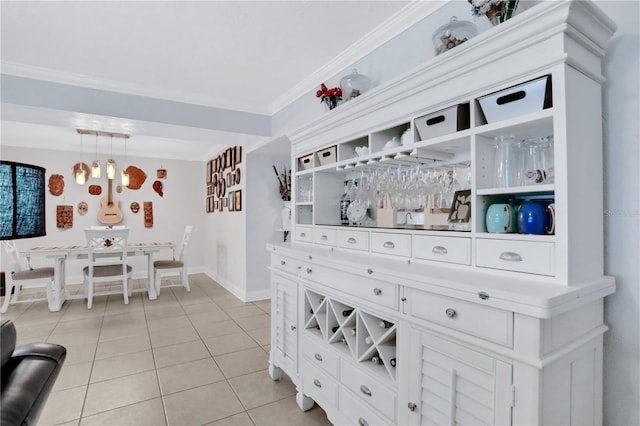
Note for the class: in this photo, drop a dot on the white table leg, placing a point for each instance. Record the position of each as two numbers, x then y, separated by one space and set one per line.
151 288
60 291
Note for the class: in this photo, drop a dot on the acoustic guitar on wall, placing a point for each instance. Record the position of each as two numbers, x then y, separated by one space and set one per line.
110 212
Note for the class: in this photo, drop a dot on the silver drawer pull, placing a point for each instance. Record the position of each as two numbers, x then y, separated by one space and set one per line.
293 328
318 357
365 390
282 262
510 256
317 383
362 422
451 313
412 406
351 240
439 250
302 235
324 238
377 291
389 245
309 270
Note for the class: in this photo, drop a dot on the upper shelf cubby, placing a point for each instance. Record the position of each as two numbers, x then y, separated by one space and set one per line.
353 148
390 138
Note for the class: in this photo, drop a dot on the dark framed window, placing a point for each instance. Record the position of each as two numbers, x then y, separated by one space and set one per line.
22 201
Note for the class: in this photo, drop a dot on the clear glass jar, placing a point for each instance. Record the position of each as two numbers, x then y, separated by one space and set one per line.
353 85
452 34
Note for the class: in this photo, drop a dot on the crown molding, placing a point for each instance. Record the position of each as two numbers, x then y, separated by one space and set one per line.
406 17
390 28
81 80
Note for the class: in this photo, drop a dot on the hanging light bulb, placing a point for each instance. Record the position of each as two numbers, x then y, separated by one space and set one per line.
95 167
80 173
111 164
81 177
124 178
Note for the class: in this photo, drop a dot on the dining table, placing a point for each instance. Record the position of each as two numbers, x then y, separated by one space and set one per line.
61 254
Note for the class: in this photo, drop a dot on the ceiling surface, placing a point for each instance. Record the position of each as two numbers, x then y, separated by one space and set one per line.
248 56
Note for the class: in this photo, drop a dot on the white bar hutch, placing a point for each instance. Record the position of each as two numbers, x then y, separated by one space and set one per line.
461 333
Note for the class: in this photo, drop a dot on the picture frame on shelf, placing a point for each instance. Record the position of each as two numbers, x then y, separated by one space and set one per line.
460 211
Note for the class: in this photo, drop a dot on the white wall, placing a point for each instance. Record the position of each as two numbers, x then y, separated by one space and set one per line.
622 215
264 208
223 248
181 205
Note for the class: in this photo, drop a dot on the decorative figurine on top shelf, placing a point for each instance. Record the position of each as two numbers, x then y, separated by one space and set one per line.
330 97
497 11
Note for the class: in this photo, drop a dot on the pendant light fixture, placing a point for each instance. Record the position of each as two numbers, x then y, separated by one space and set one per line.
80 173
111 164
95 167
124 178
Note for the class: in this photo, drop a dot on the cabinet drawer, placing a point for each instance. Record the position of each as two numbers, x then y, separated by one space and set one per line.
369 289
395 244
520 256
303 234
318 385
480 321
374 393
356 240
358 413
442 249
283 263
324 236
320 356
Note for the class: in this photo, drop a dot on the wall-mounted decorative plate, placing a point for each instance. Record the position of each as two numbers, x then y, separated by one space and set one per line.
56 185
95 189
136 177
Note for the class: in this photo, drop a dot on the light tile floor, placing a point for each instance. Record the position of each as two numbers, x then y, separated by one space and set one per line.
197 358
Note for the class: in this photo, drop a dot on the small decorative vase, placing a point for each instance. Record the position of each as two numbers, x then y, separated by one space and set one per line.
330 102
286 215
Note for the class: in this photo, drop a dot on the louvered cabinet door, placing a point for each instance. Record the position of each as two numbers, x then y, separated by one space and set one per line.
285 322
454 385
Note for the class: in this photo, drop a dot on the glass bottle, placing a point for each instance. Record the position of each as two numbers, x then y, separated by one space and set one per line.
345 201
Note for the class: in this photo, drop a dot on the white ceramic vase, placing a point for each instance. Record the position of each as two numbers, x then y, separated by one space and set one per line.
286 215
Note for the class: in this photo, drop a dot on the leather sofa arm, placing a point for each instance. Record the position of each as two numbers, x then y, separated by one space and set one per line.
8 339
29 373
51 351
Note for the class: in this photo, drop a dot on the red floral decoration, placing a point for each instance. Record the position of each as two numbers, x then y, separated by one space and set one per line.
329 96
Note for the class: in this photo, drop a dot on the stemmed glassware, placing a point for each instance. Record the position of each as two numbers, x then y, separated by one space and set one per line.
411 188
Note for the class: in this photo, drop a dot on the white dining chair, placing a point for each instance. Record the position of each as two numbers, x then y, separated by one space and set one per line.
107 255
170 267
18 277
